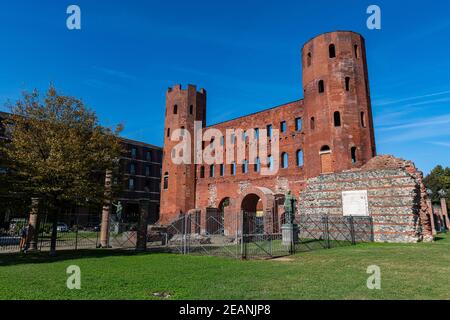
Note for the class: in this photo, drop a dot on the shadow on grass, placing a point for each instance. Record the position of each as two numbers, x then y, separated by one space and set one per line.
44 257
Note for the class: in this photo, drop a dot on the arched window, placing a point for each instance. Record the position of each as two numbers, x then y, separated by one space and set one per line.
257 165
299 158
347 84
166 181
284 160
202 172
356 51
313 123
211 171
353 154
332 51
308 59
325 149
321 86
175 109
191 109
337 119
245 167
363 119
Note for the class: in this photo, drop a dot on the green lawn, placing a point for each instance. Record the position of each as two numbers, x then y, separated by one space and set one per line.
416 271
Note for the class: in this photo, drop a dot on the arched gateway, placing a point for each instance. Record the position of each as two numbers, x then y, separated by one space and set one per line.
257 206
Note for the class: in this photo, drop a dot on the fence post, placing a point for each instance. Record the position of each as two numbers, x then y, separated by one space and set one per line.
327 231
352 230
76 234
185 225
243 246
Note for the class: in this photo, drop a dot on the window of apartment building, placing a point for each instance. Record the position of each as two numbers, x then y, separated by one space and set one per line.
147 171
133 152
132 168
283 126
131 184
298 124
148 156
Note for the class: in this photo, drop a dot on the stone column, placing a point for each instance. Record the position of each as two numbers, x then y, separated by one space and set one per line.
33 226
106 212
430 209
445 213
141 242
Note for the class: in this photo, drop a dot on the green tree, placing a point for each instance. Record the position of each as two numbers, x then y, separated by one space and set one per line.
58 152
438 179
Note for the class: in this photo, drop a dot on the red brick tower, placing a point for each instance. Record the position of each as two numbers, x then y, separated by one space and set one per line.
183 108
338 121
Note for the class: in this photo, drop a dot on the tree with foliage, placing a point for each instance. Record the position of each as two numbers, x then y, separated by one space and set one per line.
59 152
438 179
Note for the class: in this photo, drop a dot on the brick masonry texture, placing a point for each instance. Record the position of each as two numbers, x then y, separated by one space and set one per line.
336 136
394 194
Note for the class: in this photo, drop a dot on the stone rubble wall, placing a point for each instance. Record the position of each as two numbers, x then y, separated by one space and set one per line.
396 197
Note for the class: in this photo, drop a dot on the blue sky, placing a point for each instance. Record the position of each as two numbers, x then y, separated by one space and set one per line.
246 54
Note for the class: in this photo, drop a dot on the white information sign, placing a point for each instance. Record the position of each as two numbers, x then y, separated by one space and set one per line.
355 203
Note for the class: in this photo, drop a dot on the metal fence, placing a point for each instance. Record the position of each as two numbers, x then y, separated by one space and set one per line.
74 231
252 235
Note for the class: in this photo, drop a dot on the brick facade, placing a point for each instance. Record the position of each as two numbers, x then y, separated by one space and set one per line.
329 131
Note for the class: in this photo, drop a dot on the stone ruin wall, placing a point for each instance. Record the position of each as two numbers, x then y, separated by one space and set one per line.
396 196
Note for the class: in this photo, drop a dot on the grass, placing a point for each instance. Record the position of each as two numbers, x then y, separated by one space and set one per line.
408 271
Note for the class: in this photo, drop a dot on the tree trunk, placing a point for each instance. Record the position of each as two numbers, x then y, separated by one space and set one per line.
54 232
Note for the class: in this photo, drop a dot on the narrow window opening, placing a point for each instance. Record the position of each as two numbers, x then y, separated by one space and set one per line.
353 152
298 124
321 86
308 59
245 167
191 109
337 119
332 51
283 126
347 83
257 165
175 109
284 160
356 51
202 172
363 119
313 123
166 181
299 158
222 170
211 171
168 132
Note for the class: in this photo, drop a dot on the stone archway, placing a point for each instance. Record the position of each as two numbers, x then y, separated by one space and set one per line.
257 205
